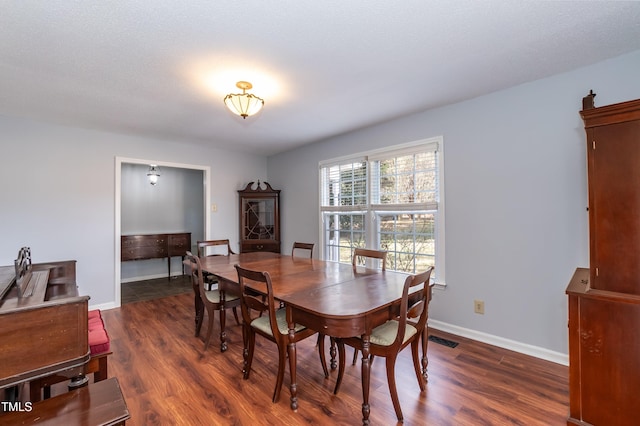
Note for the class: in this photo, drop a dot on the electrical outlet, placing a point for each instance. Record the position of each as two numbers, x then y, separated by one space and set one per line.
478 306
214 208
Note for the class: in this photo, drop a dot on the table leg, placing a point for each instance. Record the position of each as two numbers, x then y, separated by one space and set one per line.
332 353
223 333
291 348
366 379
245 349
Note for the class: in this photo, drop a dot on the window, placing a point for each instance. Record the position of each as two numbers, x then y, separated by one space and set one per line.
387 200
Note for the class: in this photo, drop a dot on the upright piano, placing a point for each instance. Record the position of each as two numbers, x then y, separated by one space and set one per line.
43 321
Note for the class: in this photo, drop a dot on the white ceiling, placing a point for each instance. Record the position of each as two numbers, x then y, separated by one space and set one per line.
160 68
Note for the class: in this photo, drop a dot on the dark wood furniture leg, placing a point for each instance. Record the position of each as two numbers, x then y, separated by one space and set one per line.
292 367
223 333
199 311
332 353
366 379
424 360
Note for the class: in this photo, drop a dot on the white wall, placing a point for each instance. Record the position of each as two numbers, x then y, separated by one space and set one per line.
57 192
516 197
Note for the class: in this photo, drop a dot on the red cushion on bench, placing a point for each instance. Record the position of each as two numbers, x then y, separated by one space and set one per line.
98 337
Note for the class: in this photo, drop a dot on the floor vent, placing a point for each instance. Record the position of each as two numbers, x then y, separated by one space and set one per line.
441 341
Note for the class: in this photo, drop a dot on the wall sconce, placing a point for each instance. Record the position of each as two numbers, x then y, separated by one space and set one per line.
153 174
243 104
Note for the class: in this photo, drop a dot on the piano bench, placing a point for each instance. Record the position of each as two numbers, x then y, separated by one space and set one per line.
98 338
99 345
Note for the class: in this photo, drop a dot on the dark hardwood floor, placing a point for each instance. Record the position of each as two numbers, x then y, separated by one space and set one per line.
167 379
137 291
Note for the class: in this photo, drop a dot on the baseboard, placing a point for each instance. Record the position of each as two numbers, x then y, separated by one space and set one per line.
148 277
535 351
105 306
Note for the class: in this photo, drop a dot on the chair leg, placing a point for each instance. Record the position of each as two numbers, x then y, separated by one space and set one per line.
425 361
341 361
235 314
199 307
416 364
391 379
207 339
282 356
248 352
323 360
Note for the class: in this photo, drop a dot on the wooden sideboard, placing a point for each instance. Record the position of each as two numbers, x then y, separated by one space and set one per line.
155 246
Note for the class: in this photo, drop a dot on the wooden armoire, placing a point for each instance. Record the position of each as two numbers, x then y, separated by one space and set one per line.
604 300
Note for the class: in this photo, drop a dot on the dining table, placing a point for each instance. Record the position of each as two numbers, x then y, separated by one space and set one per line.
334 299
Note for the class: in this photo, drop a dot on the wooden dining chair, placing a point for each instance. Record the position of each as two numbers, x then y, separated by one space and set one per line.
388 339
302 246
272 326
360 255
204 249
212 301
359 258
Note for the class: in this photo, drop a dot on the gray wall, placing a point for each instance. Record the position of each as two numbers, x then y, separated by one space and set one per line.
515 193
57 186
174 204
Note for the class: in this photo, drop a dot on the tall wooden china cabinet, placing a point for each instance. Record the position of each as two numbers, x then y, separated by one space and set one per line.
259 218
604 300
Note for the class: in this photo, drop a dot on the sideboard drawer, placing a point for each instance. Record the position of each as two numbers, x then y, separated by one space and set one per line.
135 247
144 252
272 246
179 244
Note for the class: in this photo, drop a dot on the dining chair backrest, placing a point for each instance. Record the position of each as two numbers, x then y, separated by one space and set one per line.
258 298
418 312
302 246
197 279
203 247
361 253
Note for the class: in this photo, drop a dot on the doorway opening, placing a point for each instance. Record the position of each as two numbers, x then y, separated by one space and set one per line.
176 203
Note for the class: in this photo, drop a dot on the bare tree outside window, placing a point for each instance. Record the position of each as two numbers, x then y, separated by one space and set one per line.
387 202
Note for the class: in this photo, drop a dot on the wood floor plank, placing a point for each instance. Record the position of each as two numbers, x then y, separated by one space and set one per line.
168 379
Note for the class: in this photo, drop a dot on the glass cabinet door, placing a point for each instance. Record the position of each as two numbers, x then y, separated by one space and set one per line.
259 218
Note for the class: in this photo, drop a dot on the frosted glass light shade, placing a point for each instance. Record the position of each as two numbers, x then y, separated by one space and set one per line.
243 104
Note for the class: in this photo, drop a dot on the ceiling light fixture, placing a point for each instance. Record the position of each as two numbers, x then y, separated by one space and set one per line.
153 174
243 104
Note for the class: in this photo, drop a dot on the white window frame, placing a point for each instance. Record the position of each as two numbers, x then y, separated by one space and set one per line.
371 236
